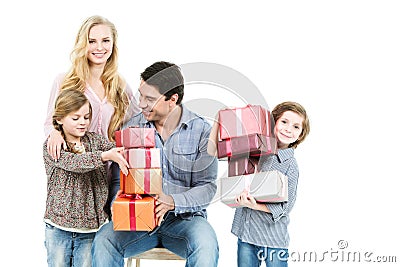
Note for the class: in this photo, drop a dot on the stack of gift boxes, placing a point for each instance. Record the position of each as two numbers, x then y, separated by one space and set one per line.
134 209
246 134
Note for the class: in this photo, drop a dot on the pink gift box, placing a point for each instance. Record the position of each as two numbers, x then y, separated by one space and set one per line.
253 145
251 119
141 158
135 137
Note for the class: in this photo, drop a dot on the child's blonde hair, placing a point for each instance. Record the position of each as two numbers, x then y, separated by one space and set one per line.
69 100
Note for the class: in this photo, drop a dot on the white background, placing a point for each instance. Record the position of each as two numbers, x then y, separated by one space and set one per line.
340 59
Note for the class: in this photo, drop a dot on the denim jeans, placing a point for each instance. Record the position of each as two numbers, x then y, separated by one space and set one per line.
68 248
249 255
193 239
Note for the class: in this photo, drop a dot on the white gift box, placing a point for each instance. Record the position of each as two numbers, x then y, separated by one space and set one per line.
267 186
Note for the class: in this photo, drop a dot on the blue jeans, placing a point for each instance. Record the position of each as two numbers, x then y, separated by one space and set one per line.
193 239
249 255
68 248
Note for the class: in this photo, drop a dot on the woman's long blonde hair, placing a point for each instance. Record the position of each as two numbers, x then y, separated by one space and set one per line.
113 83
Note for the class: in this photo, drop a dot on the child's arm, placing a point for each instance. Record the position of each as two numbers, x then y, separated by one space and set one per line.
213 139
115 155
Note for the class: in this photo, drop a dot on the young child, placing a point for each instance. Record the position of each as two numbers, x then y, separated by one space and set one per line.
261 228
77 187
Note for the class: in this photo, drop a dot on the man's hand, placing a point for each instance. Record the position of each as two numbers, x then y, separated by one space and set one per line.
164 203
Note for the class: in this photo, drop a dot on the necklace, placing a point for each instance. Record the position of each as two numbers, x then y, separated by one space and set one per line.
79 148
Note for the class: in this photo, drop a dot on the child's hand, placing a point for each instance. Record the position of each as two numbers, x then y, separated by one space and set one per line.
246 200
115 155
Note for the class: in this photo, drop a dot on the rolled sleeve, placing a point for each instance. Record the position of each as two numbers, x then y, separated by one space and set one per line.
278 210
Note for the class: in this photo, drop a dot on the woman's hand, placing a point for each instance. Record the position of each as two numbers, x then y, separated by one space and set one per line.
54 144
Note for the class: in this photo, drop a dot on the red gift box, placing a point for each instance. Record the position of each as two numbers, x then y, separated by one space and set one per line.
135 137
140 158
141 181
251 119
245 165
253 145
134 213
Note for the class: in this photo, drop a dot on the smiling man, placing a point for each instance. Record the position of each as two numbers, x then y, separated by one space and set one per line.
189 175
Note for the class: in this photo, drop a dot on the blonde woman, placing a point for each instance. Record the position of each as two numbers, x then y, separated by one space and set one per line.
94 72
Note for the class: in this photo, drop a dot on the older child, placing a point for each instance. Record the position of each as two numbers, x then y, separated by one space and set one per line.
77 187
261 228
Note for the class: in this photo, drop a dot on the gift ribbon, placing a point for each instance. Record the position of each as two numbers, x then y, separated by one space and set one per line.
246 167
239 127
146 180
132 210
147 158
142 137
228 147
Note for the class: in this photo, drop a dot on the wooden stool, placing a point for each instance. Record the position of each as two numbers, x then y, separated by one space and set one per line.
153 254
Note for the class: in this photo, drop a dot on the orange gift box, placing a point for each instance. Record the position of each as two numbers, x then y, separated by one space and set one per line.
141 181
134 213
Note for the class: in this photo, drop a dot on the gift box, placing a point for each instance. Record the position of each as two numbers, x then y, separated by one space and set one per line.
141 158
135 137
134 213
240 166
269 186
253 145
251 119
141 181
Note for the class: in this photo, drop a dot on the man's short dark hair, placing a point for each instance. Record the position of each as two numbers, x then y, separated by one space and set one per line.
166 77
